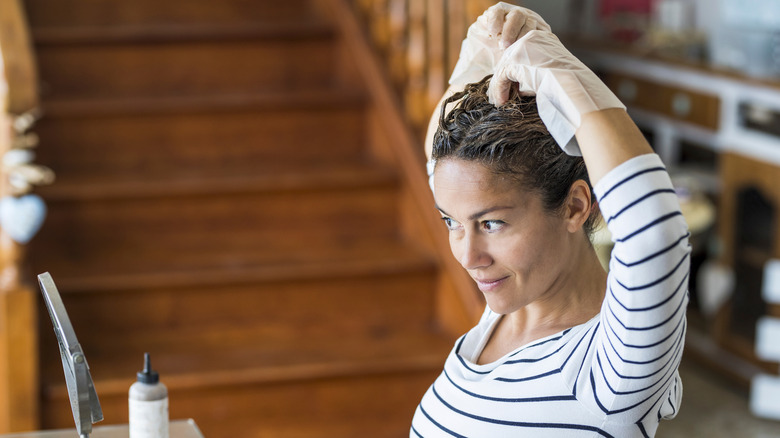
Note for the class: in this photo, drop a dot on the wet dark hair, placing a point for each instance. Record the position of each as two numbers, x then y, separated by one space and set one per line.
510 140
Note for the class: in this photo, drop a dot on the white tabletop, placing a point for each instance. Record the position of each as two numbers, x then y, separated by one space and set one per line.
178 429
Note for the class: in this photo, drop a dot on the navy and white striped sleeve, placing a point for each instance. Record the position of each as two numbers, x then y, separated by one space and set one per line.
634 367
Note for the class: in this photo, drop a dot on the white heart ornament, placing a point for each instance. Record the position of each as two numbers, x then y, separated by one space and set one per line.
15 157
22 217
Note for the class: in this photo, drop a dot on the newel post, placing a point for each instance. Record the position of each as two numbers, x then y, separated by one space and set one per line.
21 213
19 392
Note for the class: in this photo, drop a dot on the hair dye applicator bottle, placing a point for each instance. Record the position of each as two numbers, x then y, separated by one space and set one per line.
148 404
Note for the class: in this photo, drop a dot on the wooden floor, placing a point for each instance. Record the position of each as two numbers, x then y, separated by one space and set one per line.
714 408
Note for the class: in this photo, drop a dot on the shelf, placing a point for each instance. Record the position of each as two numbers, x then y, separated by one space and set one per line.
589 44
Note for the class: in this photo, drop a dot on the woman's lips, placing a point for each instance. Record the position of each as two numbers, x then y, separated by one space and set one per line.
490 285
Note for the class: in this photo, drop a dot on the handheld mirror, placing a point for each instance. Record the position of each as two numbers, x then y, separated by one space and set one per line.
83 399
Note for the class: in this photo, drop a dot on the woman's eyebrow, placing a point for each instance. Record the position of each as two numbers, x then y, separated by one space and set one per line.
481 213
441 211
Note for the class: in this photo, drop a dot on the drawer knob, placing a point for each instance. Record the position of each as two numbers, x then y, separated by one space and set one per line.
681 105
627 90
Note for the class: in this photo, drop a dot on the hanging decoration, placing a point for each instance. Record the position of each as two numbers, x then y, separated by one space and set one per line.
21 212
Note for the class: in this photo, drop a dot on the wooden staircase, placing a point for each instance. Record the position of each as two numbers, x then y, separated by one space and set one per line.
224 203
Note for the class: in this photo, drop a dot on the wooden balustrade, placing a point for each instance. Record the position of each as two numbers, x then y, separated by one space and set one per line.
420 42
19 394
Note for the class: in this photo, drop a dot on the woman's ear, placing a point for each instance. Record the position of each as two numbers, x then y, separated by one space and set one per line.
578 206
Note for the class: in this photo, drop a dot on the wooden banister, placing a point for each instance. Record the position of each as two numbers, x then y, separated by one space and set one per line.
397 26
437 54
417 44
414 89
19 381
420 41
395 140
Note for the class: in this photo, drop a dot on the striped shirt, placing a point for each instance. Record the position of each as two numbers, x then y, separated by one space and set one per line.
613 376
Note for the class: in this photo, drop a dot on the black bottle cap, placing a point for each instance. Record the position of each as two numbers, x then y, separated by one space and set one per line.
148 375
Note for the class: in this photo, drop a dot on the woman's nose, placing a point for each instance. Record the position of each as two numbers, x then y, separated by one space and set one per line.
473 255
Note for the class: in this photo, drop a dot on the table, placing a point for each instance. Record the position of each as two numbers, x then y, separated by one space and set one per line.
178 429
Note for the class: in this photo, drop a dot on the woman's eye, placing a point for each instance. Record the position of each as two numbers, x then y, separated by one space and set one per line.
491 226
451 224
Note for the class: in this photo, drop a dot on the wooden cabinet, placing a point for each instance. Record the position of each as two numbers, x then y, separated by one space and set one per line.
740 173
749 228
666 100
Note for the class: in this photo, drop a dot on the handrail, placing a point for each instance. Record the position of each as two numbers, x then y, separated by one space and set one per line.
20 216
415 46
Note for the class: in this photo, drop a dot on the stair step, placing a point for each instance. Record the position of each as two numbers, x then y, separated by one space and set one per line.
306 28
176 68
231 268
182 183
378 406
281 308
208 103
230 229
202 134
79 13
237 381
246 358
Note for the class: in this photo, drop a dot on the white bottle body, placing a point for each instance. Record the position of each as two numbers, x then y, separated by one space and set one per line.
148 405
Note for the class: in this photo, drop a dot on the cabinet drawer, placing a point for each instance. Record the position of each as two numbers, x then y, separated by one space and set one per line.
666 100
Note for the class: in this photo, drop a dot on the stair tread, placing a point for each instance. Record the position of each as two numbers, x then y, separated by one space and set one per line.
46 14
244 357
308 27
124 271
187 67
332 97
252 178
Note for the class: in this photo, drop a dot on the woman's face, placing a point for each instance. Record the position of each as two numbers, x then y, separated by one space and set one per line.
514 249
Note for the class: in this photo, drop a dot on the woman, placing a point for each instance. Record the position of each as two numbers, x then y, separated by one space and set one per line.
563 348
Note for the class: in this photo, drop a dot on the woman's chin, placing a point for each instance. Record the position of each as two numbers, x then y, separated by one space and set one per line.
499 306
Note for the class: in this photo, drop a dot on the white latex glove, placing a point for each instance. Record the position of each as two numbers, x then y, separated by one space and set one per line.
487 38
495 30
565 88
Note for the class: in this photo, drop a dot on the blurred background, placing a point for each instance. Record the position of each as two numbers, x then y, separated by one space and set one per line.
701 79
240 191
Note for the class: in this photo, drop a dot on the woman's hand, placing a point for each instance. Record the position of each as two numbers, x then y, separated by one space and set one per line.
496 29
565 88
508 23
539 58
571 100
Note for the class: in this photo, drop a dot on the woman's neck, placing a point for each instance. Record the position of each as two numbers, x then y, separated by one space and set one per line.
574 298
